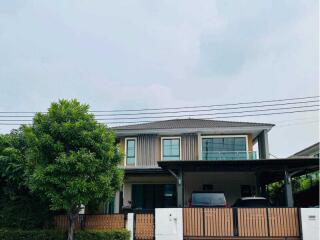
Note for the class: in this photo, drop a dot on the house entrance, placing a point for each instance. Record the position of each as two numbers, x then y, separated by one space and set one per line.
151 196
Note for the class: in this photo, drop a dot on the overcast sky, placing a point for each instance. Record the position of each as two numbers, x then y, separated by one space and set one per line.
133 54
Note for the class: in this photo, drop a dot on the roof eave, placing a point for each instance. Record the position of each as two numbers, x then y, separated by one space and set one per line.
242 129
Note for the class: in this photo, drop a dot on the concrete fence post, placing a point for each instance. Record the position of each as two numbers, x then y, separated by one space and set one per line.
130 224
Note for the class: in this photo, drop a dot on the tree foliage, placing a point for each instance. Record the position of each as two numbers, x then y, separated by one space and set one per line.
300 183
72 159
19 208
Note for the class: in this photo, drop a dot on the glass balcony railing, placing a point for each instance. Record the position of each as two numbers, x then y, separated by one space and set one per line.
229 155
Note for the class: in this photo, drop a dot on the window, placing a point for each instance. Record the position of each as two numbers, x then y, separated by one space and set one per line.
220 148
130 151
170 148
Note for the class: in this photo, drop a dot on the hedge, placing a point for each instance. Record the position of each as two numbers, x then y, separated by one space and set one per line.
16 234
103 235
24 211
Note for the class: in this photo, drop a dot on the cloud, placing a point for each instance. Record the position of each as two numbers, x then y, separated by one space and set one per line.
116 54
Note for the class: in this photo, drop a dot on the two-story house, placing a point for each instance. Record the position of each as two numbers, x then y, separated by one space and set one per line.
165 161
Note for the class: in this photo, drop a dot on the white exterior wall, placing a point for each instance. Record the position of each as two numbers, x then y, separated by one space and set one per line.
227 182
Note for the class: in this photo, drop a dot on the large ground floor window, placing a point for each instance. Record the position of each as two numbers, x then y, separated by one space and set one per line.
151 196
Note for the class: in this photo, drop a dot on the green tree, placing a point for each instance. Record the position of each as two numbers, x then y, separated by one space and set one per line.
18 206
72 159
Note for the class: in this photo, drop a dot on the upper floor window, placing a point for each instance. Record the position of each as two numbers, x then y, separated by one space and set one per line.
131 151
224 148
170 148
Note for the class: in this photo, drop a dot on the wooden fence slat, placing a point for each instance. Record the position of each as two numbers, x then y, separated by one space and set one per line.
218 222
252 222
283 222
144 226
99 222
61 222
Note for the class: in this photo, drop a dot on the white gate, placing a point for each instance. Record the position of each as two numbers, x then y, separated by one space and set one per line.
168 224
310 223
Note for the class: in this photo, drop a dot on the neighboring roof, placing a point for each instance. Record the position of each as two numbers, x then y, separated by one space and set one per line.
308 151
190 123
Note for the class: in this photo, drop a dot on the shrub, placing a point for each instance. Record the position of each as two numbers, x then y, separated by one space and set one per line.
17 234
103 235
24 211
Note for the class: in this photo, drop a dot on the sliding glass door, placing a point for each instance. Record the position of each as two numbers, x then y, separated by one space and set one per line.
151 196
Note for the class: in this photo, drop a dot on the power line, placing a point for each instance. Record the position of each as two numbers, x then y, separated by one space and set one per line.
183 111
188 115
225 117
184 107
212 114
206 106
298 123
206 110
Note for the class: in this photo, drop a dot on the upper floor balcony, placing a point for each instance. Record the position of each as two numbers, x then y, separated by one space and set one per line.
229 155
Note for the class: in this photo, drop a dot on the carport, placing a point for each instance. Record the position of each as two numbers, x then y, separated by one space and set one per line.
265 170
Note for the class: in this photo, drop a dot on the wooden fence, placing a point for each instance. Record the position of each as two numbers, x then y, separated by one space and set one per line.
205 223
99 222
144 226
253 223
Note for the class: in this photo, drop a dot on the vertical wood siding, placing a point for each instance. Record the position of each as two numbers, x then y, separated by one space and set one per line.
189 147
148 150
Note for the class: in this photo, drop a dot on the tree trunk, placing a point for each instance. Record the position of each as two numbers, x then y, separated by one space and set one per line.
72 216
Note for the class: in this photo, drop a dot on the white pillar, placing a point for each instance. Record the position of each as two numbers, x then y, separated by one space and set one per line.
129 224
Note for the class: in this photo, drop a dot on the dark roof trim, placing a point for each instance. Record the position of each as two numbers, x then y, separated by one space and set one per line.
291 164
144 171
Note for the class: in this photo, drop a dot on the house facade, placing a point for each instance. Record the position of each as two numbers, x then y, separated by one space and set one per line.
165 161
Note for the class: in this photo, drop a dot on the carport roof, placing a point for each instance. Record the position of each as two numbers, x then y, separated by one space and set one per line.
270 170
261 165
